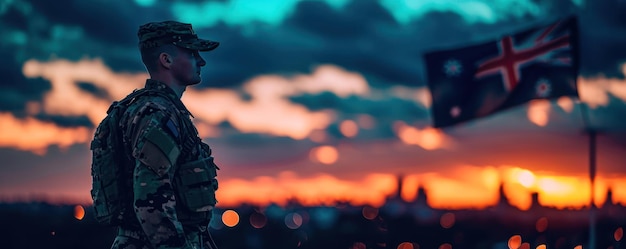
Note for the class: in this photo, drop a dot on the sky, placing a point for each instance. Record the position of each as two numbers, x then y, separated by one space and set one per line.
318 101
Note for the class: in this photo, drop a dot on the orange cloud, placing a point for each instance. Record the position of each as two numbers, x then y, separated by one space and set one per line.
34 135
269 110
66 98
595 90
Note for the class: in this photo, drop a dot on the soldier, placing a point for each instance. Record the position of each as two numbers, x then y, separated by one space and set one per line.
174 184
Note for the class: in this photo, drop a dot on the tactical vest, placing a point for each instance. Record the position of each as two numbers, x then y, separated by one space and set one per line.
194 179
112 170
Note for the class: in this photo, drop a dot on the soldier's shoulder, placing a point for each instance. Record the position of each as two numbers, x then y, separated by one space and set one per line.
150 105
157 111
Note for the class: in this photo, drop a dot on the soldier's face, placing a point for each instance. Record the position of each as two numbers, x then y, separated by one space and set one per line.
186 67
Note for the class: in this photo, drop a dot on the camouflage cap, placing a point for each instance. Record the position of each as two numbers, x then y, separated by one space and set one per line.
156 34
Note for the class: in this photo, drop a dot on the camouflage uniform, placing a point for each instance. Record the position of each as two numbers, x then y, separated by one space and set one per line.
174 175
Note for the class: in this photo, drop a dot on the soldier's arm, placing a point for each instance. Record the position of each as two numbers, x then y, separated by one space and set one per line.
155 153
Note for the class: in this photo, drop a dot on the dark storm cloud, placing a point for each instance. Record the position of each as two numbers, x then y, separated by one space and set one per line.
386 108
72 30
65 121
357 20
603 35
362 36
359 37
609 118
238 149
241 57
18 90
94 90
113 22
386 111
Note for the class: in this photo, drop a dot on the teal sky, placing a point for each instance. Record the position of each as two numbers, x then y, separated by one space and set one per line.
273 12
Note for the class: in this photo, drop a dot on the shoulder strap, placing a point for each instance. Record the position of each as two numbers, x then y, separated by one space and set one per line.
128 99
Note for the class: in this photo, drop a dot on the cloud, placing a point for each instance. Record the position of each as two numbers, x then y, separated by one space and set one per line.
268 109
277 105
66 96
489 11
595 90
36 136
239 12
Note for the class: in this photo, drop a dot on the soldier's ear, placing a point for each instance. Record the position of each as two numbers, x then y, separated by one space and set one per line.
165 60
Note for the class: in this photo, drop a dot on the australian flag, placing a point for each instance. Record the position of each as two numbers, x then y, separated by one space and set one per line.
479 80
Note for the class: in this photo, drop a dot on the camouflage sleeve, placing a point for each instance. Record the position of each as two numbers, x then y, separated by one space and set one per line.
155 151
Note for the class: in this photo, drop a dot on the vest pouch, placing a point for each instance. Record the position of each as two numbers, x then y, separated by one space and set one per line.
196 184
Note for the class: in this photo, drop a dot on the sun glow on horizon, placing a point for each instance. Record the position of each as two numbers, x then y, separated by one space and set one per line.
443 191
461 190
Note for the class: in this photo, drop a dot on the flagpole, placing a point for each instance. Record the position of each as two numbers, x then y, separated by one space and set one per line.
592 174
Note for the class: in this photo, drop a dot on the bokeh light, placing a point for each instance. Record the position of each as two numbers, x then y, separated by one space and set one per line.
525 245
578 247
447 220
445 246
325 154
406 245
539 111
515 242
427 138
358 245
542 246
542 224
79 212
230 218
293 220
348 128
370 213
618 234
258 220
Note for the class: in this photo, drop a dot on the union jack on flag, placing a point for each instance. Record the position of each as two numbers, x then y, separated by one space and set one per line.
479 80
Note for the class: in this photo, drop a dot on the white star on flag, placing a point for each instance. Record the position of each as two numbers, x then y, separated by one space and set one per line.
543 88
452 67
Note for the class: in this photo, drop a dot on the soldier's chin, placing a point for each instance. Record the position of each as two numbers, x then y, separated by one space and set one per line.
195 82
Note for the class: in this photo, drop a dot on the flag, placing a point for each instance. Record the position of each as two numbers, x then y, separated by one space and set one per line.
479 80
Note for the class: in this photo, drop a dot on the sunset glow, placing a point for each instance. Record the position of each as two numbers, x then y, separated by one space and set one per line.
524 177
266 190
442 191
399 124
